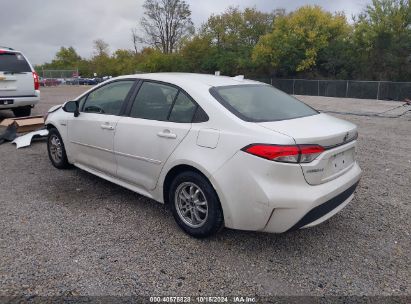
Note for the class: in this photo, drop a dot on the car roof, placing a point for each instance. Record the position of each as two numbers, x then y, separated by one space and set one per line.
8 50
181 79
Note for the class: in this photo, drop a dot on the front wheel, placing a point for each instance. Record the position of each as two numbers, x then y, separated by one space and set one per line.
56 150
195 205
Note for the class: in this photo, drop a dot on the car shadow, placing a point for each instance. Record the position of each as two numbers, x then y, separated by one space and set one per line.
228 238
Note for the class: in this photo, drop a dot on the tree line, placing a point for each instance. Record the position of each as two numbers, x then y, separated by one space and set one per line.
306 43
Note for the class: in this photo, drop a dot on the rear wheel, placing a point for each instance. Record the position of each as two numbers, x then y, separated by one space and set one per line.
195 205
22 111
56 150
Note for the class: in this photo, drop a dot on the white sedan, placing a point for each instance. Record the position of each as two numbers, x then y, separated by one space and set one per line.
220 151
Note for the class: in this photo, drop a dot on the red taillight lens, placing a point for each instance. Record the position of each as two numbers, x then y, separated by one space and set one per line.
36 81
286 154
273 152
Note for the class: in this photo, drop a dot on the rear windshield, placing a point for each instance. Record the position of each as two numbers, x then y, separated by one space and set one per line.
13 62
260 103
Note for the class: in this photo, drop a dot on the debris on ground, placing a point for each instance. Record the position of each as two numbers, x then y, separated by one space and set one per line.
13 126
25 140
24 124
9 134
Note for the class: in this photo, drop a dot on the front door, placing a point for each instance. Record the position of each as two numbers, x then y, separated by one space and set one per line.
91 134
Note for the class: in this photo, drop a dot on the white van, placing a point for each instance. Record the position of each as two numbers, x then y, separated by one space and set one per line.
19 83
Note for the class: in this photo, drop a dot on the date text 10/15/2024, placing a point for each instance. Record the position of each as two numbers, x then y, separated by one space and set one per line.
203 299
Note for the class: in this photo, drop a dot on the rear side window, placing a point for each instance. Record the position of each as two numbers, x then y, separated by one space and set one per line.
183 109
259 103
153 101
13 62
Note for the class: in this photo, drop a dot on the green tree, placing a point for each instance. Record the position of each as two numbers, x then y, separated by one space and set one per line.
300 39
67 58
199 55
153 60
382 41
235 29
232 36
124 62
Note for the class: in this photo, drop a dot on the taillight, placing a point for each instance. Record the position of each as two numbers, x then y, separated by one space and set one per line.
36 81
285 154
309 152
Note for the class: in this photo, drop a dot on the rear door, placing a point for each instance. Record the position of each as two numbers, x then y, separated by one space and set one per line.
160 117
91 134
16 75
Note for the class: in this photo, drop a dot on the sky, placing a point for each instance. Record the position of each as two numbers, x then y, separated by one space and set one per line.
39 28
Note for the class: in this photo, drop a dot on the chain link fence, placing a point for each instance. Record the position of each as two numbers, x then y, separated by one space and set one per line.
382 90
59 77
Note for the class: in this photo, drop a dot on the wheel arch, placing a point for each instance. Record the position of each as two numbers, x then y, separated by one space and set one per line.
50 126
173 172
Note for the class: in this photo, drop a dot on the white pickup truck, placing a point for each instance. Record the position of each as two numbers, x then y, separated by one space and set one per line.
19 83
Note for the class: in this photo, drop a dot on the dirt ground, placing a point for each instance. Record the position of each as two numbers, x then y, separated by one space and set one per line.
71 233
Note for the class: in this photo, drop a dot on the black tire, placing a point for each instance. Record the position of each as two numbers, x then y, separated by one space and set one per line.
214 219
22 112
52 139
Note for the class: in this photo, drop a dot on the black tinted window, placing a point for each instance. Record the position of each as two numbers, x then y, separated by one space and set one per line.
153 101
261 103
183 109
12 62
108 99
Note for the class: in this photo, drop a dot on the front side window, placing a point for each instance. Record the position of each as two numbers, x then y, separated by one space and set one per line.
153 101
259 103
108 99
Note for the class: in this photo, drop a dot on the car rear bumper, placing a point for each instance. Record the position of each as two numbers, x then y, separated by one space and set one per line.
261 195
11 102
326 210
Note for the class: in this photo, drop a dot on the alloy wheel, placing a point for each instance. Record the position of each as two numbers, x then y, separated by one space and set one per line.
191 204
56 149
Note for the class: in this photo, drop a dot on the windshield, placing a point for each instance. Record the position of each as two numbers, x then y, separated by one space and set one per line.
260 103
14 63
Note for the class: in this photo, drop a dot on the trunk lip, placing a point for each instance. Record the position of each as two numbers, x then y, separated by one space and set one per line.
322 129
348 140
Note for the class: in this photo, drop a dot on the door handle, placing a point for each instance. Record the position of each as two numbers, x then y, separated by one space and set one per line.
107 127
167 134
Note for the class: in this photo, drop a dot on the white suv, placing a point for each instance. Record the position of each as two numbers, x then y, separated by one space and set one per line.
19 83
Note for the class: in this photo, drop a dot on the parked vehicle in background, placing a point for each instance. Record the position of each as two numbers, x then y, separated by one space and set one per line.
220 151
19 83
84 81
49 82
72 81
87 81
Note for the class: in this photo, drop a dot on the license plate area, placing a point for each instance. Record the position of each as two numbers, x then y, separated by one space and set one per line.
341 161
6 102
7 86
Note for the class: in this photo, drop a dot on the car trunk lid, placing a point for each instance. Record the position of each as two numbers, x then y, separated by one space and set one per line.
335 135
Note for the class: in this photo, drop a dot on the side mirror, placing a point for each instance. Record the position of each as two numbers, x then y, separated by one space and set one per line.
72 107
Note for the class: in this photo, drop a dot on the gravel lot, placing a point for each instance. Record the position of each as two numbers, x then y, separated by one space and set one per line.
71 233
